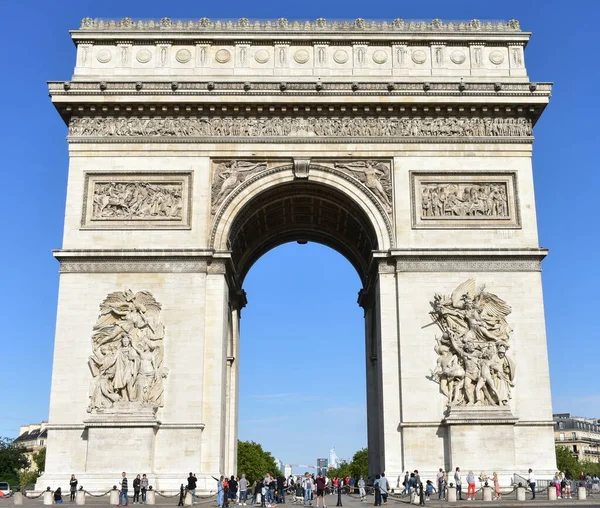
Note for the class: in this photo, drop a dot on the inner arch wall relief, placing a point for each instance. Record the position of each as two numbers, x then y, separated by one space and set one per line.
196 146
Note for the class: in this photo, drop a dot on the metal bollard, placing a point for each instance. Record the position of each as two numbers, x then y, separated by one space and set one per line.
80 497
18 498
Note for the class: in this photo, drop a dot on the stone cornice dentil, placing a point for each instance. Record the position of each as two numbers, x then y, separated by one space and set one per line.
283 25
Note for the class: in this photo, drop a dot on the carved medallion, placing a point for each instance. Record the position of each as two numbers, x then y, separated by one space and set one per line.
458 57
262 56
143 56
127 354
340 56
496 57
104 56
183 56
301 56
380 57
223 56
473 367
419 56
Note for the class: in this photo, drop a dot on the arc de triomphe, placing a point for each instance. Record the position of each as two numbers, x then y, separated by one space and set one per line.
195 147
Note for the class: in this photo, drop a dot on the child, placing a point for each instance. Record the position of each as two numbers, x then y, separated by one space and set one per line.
429 489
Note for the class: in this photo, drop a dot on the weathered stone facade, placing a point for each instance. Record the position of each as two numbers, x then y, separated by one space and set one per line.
195 147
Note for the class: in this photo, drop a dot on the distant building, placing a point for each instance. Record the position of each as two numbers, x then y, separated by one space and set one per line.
33 438
580 435
279 465
334 460
322 466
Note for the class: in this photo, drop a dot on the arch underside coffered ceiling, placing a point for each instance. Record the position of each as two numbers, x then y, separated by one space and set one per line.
326 206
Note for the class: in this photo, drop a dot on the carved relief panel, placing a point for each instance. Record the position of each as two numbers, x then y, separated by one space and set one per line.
464 200
137 201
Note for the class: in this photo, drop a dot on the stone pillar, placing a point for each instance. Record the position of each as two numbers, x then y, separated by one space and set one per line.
80 497
150 497
48 497
581 493
189 501
520 493
451 494
216 311
18 498
387 304
113 498
487 493
233 384
552 493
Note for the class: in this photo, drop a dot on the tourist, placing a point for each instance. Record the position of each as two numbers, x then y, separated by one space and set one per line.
243 484
566 487
429 489
384 487
299 492
73 487
458 483
556 482
191 486
361 488
377 486
440 483
470 486
136 489
233 489
144 487
307 486
58 496
281 489
406 483
532 483
497 487
123 496
258 493
320 484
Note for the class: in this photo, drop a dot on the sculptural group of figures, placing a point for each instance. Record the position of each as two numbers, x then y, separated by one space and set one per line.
137 200
373 174
301 126
127 360
473 367
459 200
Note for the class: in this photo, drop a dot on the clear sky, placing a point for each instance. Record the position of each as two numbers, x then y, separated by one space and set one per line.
302 366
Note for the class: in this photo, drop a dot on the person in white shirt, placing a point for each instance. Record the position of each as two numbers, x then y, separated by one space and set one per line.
532 483
458 483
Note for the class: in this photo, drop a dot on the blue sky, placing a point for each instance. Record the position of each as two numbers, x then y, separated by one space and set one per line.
311 396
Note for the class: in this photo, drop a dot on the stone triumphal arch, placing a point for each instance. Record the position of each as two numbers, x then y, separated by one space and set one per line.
197 146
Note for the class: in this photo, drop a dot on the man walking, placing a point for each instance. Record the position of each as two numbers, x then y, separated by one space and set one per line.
384 488
440 484
458 483
123 496
191 486
361 488
532 483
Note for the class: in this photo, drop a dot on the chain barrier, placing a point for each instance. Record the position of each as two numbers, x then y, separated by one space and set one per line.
97 495
33 497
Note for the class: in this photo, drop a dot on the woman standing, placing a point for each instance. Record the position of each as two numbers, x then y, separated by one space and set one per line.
497 487
144 487
73 487
137 486
471 488
556 482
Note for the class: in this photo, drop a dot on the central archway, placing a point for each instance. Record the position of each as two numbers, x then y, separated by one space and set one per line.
326 206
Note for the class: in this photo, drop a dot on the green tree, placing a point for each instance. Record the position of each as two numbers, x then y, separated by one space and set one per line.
27 478
360 464
340 472
254 462
567 462
39 459
12 460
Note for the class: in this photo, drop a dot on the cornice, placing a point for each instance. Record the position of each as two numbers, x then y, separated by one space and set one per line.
283 25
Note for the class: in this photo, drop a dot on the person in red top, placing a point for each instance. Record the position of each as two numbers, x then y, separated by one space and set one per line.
320 481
